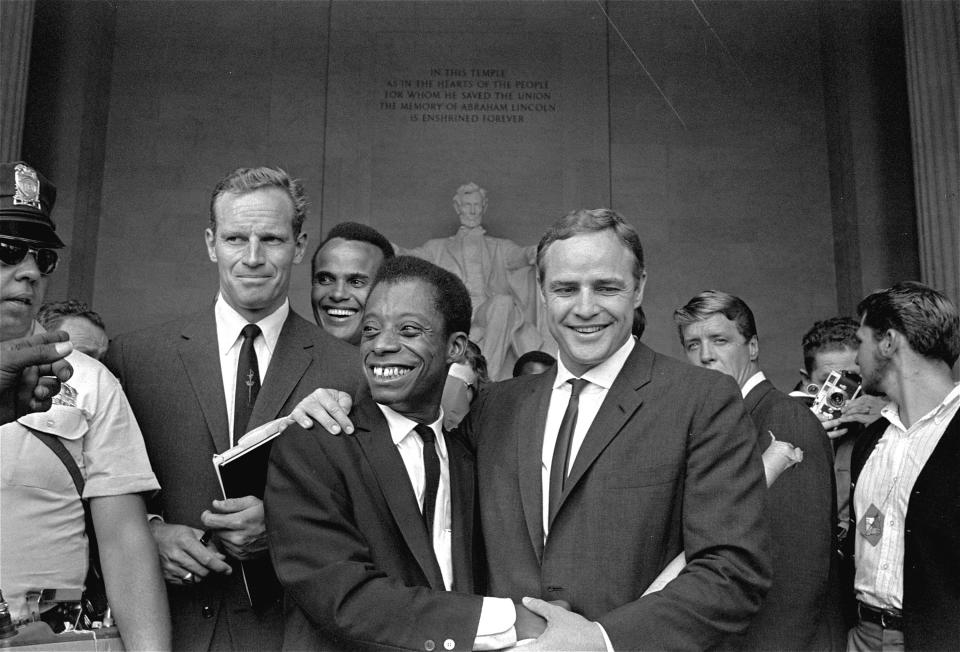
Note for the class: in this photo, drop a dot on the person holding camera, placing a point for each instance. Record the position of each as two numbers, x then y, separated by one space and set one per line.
87 442
802 610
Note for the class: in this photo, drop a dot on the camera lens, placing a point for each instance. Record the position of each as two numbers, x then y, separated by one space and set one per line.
837 399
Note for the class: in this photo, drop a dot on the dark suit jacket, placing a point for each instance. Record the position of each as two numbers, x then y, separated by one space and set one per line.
931 575
351 549
670 464
171 374
802 609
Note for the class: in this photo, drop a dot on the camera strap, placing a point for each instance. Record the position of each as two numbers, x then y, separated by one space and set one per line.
94 586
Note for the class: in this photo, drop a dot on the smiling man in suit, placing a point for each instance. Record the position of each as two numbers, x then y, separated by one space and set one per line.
373 534
199 383
656 457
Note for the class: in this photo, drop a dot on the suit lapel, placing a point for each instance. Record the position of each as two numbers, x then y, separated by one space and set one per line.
373 434
462 478
531 420
199 352
756 395
288 364
622 401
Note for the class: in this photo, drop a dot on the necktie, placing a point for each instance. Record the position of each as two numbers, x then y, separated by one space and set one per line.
248 381
431 464
561 452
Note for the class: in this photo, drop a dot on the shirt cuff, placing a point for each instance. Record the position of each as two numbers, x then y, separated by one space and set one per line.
606 639
496 629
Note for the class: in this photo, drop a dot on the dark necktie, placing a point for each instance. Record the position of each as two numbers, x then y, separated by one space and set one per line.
561 452
248 381
431 464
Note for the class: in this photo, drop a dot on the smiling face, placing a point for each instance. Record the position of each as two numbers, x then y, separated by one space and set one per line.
590 295
22 288
255 248
405 349
344 271
717 343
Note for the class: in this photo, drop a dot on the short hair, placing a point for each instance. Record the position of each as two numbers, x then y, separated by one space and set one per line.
592 221
356 232
469 189
926 318
541 357
834 334
451 298
712 302
244 180
473 356
52 314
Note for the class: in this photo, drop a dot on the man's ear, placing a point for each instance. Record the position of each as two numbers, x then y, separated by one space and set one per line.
456 346
754 346
211 239
889 343
301 247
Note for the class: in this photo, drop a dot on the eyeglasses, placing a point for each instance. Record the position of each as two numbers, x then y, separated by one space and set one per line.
13 253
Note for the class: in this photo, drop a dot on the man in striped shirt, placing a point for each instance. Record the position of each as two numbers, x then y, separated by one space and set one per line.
906 512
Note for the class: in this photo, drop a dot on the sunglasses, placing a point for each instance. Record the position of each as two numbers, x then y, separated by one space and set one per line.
13 253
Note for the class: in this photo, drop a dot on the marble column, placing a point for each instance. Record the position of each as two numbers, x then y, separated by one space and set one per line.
931 29
16 31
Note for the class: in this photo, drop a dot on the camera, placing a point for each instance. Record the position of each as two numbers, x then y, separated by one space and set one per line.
837 390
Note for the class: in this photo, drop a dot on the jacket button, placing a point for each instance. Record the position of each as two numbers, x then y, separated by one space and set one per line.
429 645
206 612
449 644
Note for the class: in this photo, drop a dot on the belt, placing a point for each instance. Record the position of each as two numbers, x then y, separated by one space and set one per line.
886 618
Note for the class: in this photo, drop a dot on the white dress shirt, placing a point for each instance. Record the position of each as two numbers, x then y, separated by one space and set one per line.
752 382
229 340
497 617
886 482
601 379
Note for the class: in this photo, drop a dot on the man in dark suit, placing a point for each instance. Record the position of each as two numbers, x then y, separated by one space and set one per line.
656 458
904 544
802 610
198 383
373 534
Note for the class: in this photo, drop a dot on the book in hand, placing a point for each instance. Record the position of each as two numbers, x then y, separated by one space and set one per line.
242 471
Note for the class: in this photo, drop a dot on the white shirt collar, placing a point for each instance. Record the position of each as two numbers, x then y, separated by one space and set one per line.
230 323
604 373
752 382
400 426
891 411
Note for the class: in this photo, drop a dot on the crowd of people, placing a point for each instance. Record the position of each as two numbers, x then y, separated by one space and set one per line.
606 498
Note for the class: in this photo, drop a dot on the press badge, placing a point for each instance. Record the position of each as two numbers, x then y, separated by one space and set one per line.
871 525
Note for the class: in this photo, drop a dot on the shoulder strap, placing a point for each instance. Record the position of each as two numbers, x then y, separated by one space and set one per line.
54 444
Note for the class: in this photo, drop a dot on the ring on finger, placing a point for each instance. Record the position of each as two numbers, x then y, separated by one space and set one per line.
188 577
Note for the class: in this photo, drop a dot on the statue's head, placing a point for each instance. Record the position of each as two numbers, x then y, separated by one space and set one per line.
470 202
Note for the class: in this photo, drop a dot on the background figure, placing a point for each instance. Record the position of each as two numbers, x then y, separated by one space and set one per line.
498 275
903 551
44 540
802 609
342 269
86 329
533 362
198 383
831 345
464 381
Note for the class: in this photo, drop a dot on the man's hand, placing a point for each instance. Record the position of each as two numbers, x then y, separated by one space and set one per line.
328 407
183 556
528 624
565 629
31 370
239 524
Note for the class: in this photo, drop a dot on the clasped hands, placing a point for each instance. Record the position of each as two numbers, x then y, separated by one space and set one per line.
236 528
